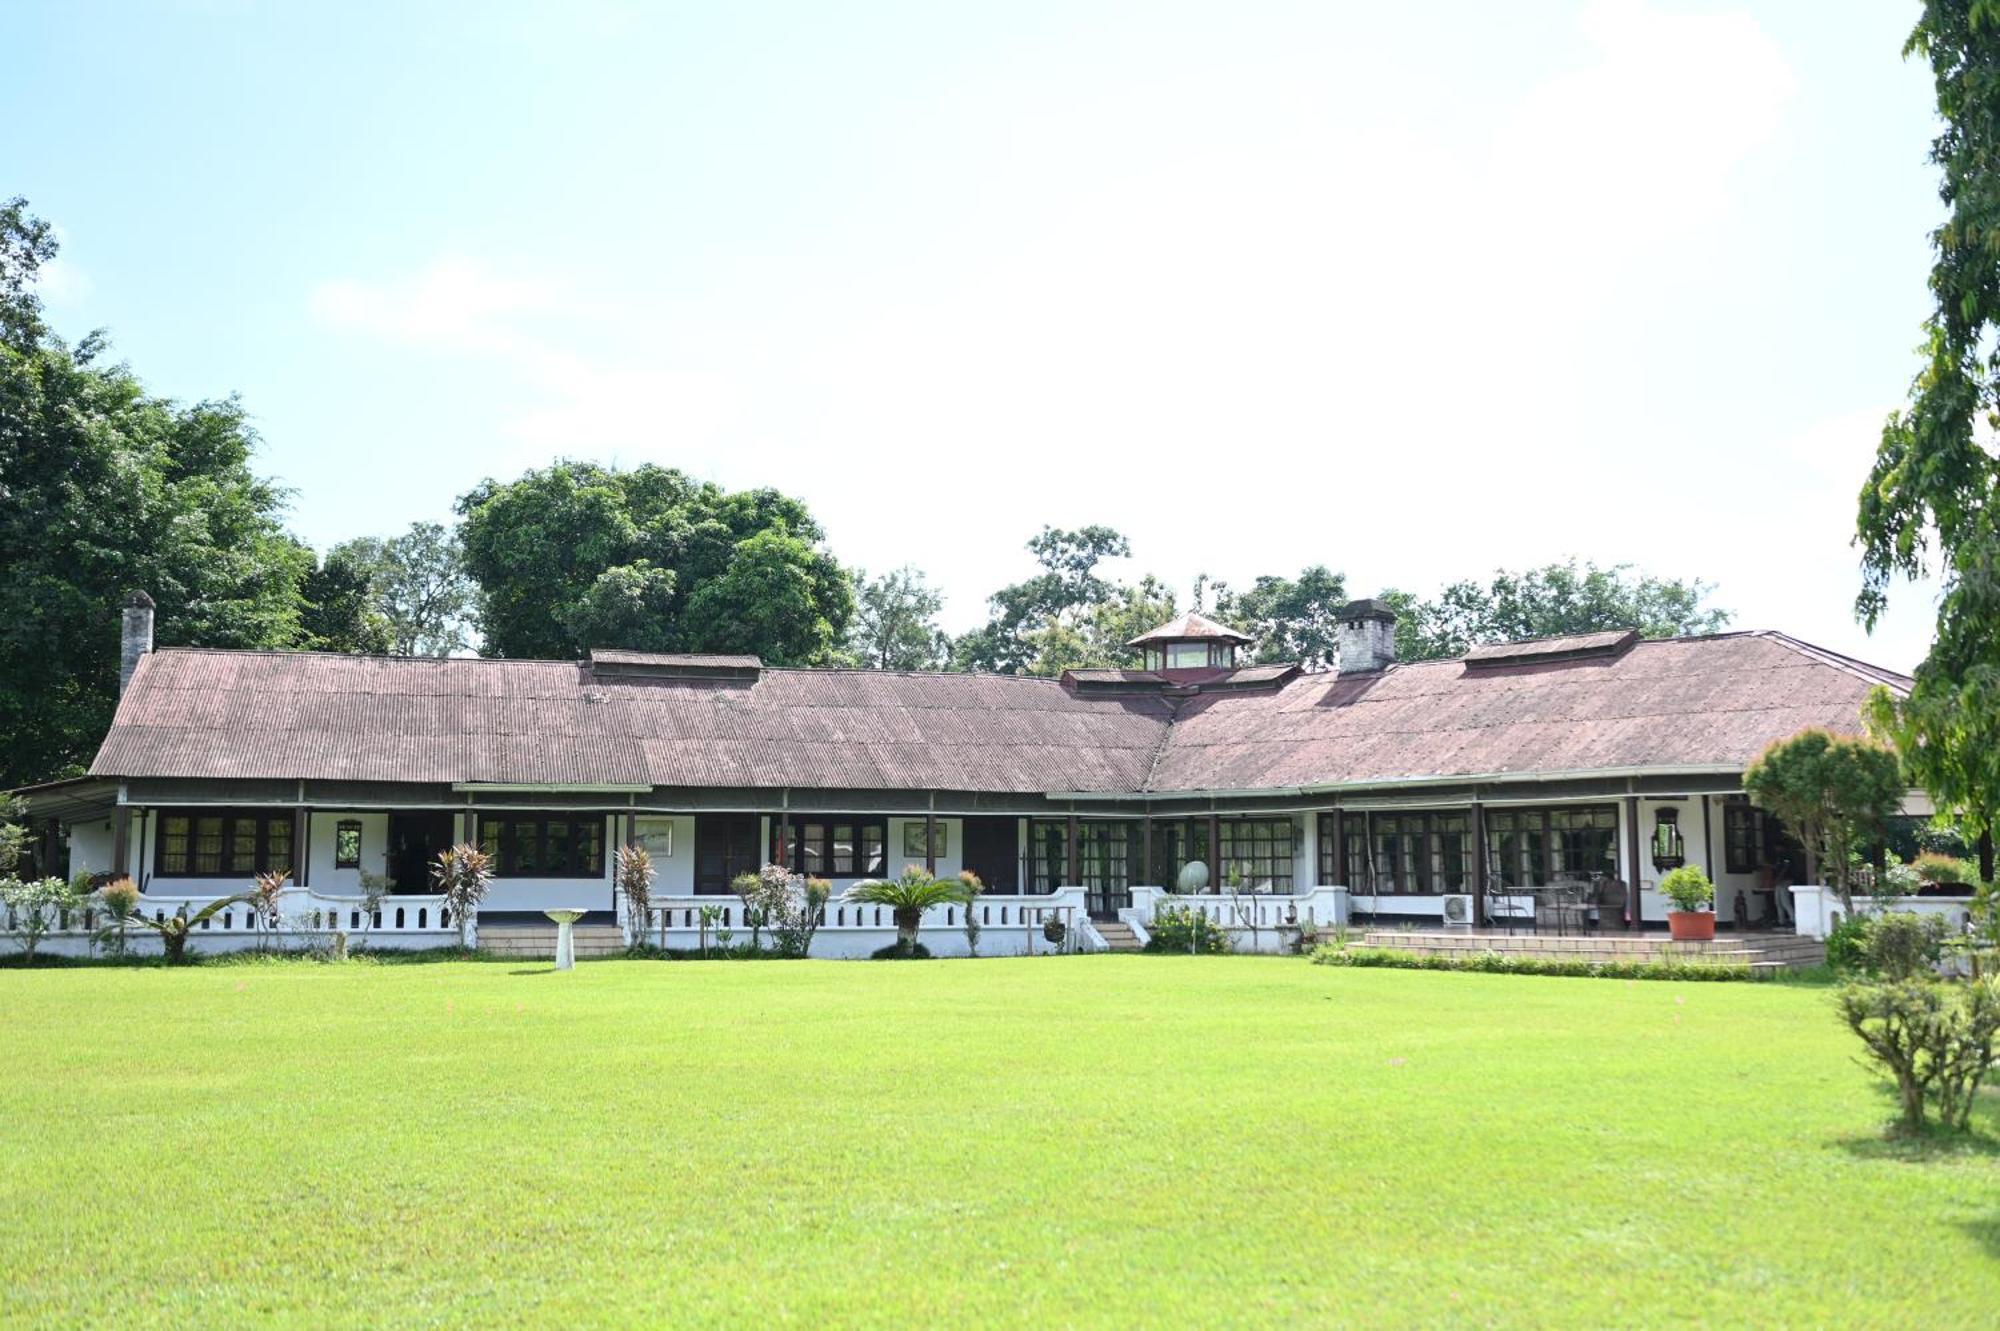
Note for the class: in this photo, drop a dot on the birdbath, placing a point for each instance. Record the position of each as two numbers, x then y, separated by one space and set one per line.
565 937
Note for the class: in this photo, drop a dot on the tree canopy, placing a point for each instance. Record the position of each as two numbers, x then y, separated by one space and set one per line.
1929 504
105 490
1548 602
1836 792
417 588
1289 619
577 555
895 622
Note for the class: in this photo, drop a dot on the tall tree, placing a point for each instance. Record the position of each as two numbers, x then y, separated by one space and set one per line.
577 555
418 587
1288 619
895 622
337 611
1549 602
1030 623
1929 505
105 490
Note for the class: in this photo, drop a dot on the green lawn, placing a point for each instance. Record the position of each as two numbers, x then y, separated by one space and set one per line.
1087 1140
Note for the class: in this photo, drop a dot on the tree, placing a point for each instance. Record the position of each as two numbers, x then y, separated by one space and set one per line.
895 622
574 551
337 611
1929 504
1039 626
106 490
1836 793
1289 620
417 587
1548 602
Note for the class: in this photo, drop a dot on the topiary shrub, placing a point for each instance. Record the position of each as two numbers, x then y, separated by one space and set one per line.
1688 888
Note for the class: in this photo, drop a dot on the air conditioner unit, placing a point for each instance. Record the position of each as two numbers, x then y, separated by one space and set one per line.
1458 912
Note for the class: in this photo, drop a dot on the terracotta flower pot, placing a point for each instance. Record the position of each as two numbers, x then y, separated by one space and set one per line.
1691 926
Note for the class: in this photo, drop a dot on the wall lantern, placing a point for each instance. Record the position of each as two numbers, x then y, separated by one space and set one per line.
1669 852
347 844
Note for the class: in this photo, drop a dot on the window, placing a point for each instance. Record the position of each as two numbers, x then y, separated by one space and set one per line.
1329 873
1260 850
1753 839
1531 847
1104 854
543 845
223 844
1412 854
347 844
1048 852
848 848
1583 842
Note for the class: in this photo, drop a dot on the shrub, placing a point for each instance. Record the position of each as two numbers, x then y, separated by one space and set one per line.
1935 870
34 909
1688 888
1185 929
120 899
266 891
1836 792
1936 1040
795 914
1901 945
462 875
635 879
174 930
1846 945
971 887
1503 963
908 897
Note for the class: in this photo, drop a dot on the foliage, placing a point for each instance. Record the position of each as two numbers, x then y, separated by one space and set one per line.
1944 870
337 608
108 490
1847 945
1901 945
1835 792
1288 619
1936 1040
1039 626
1548 602
1688 888
1507 963
1184 929
174 929
265 896
462 875
707 917
895 622
901 950
578 555
35 909
970 887
1928 506
119 900
798 915
417 588
908 897
13 835
634 873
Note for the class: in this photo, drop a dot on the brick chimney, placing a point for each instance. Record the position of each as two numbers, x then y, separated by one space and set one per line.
136 636
1367 637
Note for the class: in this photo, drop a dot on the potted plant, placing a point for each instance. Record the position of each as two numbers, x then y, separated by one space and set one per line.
1692 920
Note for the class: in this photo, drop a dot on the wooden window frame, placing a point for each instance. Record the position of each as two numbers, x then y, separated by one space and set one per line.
499 835
264 820
1262 836
824 843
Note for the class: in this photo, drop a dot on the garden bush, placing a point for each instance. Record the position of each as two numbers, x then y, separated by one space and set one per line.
1935 1040
1935 870
1847 945
902 951
1501 963
1184 929
1901 945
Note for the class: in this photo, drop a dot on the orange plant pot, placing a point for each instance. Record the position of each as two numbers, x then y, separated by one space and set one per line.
1691 926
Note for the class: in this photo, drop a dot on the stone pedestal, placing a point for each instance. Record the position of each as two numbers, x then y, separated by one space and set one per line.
565 935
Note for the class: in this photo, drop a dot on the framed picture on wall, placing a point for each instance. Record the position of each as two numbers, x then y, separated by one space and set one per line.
913 838
656 835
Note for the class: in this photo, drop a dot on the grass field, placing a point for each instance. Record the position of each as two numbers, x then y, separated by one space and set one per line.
1087 1140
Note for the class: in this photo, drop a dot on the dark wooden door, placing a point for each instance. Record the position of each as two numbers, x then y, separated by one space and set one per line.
725 845
993 851
414 842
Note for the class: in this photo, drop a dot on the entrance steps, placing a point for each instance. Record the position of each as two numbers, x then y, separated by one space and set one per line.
1758 951
1117 935
538 941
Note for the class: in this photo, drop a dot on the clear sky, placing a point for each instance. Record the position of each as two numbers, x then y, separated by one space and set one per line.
1409 290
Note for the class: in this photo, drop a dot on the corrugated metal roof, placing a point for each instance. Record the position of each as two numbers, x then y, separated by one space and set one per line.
1550 649
1713 701
1190 627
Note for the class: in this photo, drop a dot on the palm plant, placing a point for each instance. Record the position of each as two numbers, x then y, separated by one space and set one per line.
907 898
635 880
174 930
265 895
462 875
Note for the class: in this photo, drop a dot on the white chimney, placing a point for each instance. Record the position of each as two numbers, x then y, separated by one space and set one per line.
136 636
1367 637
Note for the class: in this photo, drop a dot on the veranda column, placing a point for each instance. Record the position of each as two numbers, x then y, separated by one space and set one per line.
1339 849
1215 852
1146 847
121 841
1632 861
1479 863
301 845
1074 859
930 844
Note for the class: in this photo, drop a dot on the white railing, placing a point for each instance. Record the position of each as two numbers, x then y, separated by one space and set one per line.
302 914
1817 909
1008 925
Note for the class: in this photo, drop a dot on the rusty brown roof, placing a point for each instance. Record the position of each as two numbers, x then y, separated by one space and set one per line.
1699 702
1190 627
1710 702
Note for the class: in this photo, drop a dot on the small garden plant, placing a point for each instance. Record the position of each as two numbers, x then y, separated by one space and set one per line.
1688 888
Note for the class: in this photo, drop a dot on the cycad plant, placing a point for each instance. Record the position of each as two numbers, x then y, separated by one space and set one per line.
174 930
907 898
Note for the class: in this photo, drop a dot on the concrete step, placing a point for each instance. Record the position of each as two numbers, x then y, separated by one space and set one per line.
1117 935
530 940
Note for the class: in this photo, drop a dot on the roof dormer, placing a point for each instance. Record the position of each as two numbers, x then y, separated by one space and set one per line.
1192 642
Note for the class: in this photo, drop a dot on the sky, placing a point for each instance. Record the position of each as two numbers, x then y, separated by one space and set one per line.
1411 291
